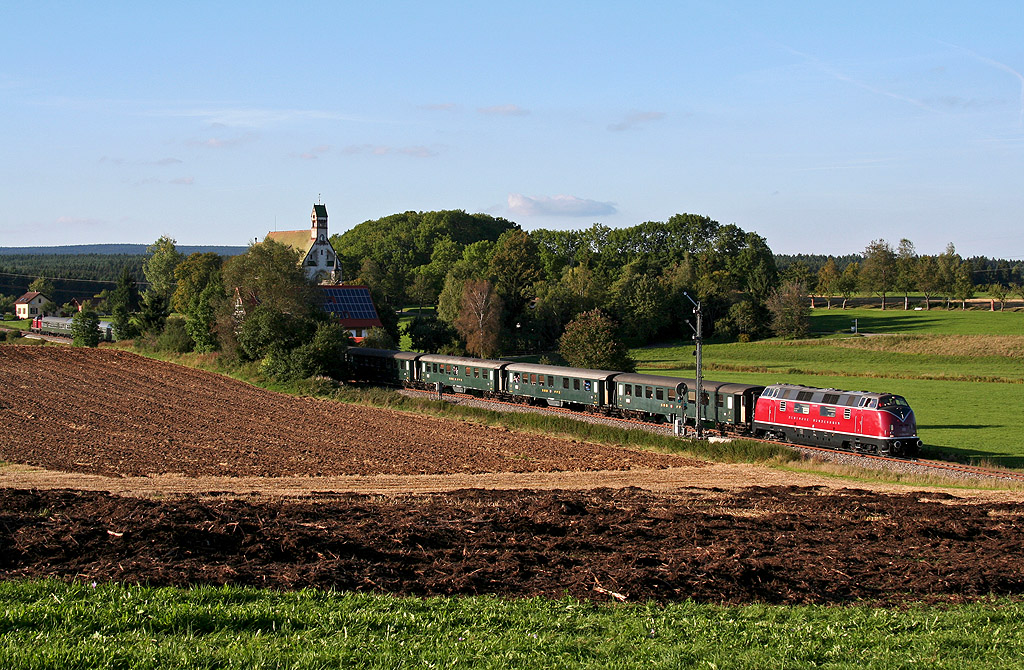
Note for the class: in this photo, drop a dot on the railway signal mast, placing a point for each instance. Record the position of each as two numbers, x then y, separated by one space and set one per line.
698 339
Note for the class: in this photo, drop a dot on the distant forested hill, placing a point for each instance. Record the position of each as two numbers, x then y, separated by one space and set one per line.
80 271
113 249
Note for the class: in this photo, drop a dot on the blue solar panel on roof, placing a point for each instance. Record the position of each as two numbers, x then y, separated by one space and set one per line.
349 302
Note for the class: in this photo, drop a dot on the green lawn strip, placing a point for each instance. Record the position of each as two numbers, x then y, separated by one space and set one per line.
830 356
50 624
934 321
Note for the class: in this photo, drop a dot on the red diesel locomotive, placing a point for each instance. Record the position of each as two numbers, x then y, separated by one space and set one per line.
861 421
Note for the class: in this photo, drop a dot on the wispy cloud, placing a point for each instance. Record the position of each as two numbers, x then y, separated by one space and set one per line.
999 66
843 77
503 110
252 117
558 205
222 142
78 221
635 119
315 152
183 181
384 150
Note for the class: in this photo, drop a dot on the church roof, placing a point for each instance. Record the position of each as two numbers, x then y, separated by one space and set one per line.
296 239
320 210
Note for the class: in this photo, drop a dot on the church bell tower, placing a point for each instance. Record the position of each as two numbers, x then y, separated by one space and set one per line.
318 229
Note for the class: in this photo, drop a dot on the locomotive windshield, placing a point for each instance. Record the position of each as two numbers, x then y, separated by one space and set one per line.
893 401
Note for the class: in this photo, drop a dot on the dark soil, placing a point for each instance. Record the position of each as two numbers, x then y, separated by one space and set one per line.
774 545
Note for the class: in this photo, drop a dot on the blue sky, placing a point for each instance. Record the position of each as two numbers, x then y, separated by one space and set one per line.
820 126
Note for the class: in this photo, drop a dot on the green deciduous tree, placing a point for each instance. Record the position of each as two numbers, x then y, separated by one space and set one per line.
44 286
906 270
828 281
163 257
123 302
480 318
591 341
878 273
790 310
85 328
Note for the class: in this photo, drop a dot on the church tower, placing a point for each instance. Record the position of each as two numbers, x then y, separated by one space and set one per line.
318 230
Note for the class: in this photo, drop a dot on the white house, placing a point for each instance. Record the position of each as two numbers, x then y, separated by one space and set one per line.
30 305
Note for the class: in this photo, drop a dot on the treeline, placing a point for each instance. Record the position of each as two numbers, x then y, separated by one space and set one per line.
500 290
984 271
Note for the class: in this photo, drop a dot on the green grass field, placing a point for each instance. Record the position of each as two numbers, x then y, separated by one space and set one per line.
52 625
963 372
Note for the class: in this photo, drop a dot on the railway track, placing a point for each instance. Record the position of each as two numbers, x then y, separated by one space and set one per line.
940 467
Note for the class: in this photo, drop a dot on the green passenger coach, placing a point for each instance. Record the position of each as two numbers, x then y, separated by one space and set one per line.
559 386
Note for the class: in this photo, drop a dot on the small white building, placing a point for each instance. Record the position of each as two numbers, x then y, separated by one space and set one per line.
30 305
316 254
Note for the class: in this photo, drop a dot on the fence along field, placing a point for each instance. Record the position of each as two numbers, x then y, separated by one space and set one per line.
961 371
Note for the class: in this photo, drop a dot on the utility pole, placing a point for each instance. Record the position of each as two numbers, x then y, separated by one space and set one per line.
698 338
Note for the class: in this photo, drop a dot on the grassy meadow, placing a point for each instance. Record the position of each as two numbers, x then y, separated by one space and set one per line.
53 625
961 371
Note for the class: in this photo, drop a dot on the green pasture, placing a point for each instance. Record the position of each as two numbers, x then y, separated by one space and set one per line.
963 372
935 321
53 625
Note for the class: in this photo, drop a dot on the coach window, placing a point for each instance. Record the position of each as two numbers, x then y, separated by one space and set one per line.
720 400
575 384
476 373
639 391
540 379
551 381
533 379
565 382
692 396
648 392
629 389
659 393
671 395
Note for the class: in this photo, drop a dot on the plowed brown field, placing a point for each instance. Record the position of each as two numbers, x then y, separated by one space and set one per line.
219 482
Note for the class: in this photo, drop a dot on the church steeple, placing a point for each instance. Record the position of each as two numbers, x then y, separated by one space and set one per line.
318 229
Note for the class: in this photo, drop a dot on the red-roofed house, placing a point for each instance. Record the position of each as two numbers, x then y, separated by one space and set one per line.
316 255
30 304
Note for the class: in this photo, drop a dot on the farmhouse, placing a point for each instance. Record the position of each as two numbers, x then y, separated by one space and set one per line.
30 304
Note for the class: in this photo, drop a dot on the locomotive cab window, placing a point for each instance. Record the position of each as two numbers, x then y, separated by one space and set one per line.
827 411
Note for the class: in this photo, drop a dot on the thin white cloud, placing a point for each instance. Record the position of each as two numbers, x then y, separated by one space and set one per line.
558 205
383 150
78 221
503 110
183 181
315 152
1005 68
843 77
222 142
239 117
636 119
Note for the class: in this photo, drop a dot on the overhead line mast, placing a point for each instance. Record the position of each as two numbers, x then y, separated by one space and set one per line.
698 339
